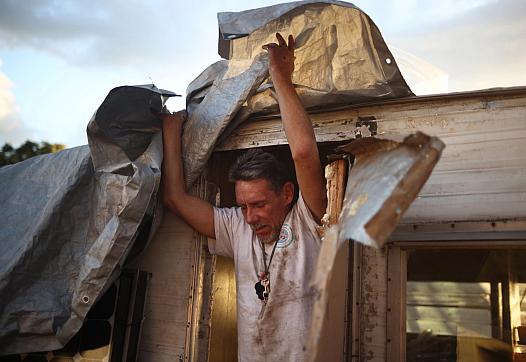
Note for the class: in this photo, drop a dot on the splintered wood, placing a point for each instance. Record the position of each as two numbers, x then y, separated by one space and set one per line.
336 175
326 339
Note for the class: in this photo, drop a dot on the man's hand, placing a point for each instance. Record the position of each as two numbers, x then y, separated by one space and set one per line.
281 58
173 120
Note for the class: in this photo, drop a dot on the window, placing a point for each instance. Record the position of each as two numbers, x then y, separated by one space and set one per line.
465 304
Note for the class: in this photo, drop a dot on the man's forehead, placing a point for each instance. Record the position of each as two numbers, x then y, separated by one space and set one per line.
253 190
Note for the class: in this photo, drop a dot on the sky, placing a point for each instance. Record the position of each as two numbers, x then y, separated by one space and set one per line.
60 58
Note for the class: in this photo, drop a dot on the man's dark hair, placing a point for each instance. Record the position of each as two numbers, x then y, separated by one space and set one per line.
257 164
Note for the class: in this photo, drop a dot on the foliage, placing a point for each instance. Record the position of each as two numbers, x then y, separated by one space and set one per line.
10 155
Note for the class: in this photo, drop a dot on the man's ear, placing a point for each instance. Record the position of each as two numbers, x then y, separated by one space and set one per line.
288 192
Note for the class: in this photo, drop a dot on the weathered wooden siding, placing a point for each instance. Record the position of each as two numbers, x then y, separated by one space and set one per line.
482 173
169 257
373 305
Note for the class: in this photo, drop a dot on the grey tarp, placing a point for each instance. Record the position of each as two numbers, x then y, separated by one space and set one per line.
69 219
341 58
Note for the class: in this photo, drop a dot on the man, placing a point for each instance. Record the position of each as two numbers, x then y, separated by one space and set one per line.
273 241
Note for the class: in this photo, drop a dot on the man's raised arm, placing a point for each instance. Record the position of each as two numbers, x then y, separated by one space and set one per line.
198 213
298 127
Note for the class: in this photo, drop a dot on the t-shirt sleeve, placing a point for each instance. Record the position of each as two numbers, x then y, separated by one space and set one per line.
226 221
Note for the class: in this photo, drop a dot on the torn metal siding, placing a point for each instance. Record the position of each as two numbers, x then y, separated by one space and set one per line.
384 180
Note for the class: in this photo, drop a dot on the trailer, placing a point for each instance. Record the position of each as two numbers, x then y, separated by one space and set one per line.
449 285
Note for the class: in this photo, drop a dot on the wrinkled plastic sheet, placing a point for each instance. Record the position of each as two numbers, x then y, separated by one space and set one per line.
385 178
69 220
341 58
209 120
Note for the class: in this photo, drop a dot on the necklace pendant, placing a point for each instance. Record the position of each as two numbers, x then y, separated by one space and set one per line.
266 283
263 289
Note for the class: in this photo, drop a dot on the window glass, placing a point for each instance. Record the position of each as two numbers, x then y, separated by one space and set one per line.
466 305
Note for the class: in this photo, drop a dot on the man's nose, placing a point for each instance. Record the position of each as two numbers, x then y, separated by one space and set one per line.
251 216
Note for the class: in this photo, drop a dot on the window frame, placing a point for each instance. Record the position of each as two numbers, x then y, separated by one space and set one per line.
397 282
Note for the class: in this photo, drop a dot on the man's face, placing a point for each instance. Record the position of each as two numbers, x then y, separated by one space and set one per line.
263 208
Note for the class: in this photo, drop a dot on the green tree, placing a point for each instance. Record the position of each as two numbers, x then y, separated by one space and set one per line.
10 155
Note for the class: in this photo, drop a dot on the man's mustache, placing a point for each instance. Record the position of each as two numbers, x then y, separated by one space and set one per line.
256 227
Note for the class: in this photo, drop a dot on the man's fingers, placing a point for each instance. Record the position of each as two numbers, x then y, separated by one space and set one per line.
281 41
291 45
270 46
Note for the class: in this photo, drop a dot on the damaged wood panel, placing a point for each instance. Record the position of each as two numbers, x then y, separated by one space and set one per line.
491 185
446 183
373 309
336 176
169 258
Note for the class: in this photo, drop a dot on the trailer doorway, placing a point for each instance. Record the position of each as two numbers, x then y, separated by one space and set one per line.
223 329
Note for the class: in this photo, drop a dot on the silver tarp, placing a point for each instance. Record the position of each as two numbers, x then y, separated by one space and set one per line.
341 58
68 220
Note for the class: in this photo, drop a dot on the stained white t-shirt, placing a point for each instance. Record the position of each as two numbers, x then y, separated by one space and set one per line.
275 331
